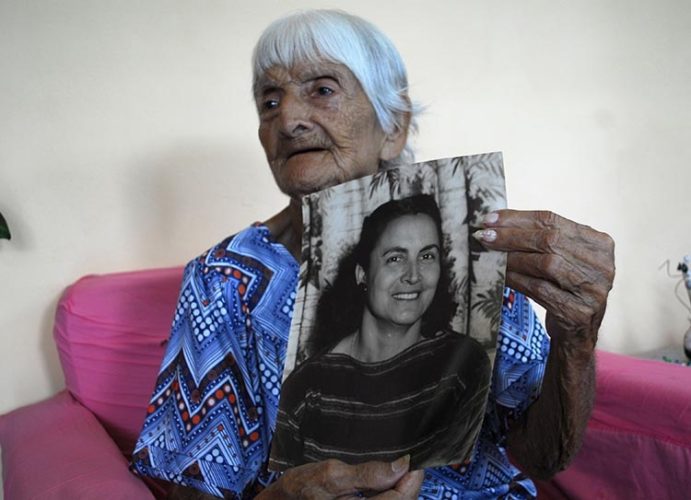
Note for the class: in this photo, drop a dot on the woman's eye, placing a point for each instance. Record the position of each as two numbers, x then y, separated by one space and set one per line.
395 259
270 104
429 256
324 91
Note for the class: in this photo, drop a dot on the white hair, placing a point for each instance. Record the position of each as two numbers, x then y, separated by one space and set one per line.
343 38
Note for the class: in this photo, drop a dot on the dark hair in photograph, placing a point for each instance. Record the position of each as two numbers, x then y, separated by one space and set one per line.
340 309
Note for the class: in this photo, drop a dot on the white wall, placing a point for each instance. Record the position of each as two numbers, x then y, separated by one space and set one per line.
128 138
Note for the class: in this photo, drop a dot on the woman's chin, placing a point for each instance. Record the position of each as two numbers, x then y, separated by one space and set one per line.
304 183
306 173
406 320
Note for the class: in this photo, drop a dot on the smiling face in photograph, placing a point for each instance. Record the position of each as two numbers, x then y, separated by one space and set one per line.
404 269
318 128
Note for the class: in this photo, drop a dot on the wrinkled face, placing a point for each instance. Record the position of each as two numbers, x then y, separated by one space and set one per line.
317 127
403 271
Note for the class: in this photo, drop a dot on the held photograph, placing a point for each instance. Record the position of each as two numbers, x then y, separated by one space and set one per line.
391 344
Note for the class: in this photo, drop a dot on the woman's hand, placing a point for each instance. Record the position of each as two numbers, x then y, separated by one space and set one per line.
565 267
568 268
335 479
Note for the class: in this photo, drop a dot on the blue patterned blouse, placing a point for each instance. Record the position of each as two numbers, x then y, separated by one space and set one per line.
214 405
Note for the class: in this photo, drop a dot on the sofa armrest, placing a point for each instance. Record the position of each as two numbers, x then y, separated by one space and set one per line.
637 444
57 449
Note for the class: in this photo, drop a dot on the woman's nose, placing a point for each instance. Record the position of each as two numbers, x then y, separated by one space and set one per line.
294 116
412 274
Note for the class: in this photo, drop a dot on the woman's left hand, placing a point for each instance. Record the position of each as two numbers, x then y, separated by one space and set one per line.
567 268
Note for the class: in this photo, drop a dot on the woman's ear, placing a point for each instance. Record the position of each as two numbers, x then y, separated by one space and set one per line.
396 140
360 275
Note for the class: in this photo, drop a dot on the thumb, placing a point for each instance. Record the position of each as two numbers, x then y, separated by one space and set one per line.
380 476
409 485
407 488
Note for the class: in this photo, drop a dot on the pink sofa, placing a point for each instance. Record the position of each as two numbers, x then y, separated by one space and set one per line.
111 332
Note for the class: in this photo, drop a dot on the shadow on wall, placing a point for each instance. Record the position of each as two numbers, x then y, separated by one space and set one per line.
195 195
51 360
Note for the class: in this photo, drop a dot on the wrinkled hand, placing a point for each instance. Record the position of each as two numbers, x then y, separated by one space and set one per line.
567 268
335 479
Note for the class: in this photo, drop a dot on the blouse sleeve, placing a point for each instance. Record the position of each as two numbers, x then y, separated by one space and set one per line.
287 444
522 350
211 415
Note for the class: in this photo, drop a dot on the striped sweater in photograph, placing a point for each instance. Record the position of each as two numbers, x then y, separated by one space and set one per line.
427 401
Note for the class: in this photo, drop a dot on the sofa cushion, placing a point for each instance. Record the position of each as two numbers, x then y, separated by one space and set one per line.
56 449
110 332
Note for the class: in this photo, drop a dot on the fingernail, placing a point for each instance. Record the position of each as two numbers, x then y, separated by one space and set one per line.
485 235
490 218
401 464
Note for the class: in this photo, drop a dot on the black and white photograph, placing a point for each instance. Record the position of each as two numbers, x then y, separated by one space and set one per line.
396 318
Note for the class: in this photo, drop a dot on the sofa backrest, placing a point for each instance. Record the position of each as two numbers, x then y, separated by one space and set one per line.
110 331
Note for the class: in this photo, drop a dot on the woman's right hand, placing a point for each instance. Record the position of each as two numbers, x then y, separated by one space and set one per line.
336 479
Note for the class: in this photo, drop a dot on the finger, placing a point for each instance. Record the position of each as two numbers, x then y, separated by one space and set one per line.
542 220
521 240
594 251
560 303
380 476
409 485
366 477
526 219
332 477
551 267
557 230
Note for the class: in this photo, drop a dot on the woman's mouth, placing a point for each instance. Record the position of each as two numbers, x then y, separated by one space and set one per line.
306 150
406 296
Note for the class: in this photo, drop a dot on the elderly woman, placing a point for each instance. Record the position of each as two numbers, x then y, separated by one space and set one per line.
392 379
331 93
